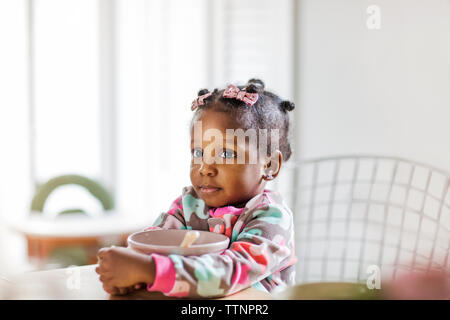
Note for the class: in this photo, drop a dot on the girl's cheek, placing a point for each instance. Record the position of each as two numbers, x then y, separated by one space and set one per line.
194 171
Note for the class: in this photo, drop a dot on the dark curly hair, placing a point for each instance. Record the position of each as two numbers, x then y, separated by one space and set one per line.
269 112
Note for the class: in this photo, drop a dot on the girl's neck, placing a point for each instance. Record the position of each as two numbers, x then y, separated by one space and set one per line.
240 205
243 203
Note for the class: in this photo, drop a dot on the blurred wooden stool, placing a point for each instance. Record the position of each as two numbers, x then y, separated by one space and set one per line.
45 236
41 247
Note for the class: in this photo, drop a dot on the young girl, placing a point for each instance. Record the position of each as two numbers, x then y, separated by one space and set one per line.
227 197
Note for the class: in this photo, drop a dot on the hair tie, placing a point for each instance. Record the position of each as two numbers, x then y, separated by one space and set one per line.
199 101
233 92
287 105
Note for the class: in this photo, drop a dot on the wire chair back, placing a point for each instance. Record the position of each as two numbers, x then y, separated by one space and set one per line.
353 213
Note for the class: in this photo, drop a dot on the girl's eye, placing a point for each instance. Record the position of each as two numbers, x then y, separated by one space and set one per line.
228 154
197 153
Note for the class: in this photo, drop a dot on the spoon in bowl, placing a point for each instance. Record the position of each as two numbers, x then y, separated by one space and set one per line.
189 238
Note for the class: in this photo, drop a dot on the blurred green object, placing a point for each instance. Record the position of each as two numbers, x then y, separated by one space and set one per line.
69 256
73 255
95 188
329 291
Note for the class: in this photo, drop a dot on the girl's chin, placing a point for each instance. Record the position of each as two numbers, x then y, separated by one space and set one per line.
214 201
219 203
218 198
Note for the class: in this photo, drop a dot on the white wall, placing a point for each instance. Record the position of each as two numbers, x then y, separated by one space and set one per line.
383 91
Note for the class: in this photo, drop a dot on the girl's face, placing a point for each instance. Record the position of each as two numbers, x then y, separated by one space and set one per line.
221 184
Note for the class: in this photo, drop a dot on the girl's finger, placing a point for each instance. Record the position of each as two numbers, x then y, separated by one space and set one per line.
98 270
138 286
110 289
122 291
105 278
101 253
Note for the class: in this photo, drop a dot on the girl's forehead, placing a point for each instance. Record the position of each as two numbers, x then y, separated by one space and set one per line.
212 119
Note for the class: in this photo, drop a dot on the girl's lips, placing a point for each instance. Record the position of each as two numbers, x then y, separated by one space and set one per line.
209 189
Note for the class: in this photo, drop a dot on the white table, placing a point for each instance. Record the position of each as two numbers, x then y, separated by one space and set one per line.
83 283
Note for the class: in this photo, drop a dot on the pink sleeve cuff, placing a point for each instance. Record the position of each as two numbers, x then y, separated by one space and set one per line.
164 274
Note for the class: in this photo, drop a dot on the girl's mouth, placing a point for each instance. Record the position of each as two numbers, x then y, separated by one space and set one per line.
208 189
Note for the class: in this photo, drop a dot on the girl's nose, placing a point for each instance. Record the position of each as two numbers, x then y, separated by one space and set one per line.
207 170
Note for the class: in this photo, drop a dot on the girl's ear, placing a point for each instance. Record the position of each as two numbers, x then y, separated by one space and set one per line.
273 165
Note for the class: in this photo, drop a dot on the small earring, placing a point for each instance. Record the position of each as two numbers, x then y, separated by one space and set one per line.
269 176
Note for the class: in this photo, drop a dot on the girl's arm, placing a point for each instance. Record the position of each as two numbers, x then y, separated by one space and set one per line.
261 249
120 269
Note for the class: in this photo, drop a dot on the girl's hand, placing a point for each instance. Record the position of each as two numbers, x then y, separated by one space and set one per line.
124 291
122 269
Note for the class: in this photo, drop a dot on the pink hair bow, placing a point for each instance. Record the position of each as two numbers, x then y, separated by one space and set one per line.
199 101
234 92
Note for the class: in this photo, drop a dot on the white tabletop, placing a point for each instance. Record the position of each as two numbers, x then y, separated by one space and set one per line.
75 283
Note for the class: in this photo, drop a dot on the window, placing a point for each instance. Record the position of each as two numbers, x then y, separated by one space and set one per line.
110 85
